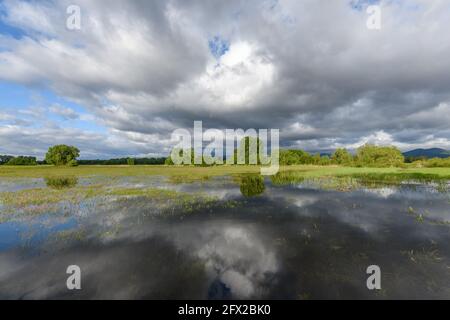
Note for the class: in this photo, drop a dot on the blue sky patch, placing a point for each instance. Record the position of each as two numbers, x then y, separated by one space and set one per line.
218 46
360 5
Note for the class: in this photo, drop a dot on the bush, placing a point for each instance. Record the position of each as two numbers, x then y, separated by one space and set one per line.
252 185
295 157
375 156
342 157
61 182
325 161
436 162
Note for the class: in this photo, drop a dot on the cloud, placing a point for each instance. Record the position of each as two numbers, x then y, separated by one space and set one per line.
65 113
310 68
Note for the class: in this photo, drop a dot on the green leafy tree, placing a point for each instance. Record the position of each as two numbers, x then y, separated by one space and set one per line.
303 156
295 157
316 159
436 162
130 161
342 157
288 158
169 161
375 156
4 159
245 147
325 161
61 155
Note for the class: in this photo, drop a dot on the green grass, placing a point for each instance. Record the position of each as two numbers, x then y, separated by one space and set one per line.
117 171
201 173
75 195
41 196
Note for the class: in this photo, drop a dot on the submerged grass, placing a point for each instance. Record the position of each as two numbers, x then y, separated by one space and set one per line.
347 179
398 177
61 182
153 193
38 201
169 201
40 196
65 191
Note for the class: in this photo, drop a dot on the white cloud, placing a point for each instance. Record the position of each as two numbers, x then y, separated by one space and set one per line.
64 112
310 68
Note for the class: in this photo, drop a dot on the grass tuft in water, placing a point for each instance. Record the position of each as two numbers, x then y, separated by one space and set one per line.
61 182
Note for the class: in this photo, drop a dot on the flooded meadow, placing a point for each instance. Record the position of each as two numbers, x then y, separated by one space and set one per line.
226 237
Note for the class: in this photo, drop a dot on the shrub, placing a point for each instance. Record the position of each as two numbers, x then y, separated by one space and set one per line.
375 156
342 157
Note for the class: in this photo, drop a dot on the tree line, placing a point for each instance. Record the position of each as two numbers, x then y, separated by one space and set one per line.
124 161
64 155
368 155
18 161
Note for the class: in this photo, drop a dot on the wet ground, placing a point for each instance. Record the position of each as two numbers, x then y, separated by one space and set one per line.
224 238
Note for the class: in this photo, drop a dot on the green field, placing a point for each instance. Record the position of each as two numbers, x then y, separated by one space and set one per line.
199 172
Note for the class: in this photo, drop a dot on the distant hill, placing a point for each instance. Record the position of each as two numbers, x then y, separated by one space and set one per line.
428 153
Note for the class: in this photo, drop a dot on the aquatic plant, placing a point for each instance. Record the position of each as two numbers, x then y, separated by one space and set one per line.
252 185
287 177
61 182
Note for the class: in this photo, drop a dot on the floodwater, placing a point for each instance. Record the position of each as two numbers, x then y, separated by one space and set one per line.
246 238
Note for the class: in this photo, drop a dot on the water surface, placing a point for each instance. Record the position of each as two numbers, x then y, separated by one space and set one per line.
226 238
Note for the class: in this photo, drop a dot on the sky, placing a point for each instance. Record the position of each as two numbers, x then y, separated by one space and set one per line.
137 70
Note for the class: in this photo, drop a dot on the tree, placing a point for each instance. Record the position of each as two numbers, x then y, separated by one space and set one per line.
5 159
294 157
61 155
169 161
130 161
375 156
244 146
325 161
288 158
316 159
342 157
181 153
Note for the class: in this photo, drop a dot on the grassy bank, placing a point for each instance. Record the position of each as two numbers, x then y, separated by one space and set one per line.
199 172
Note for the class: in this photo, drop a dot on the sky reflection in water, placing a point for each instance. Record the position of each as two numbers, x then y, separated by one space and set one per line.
291 241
